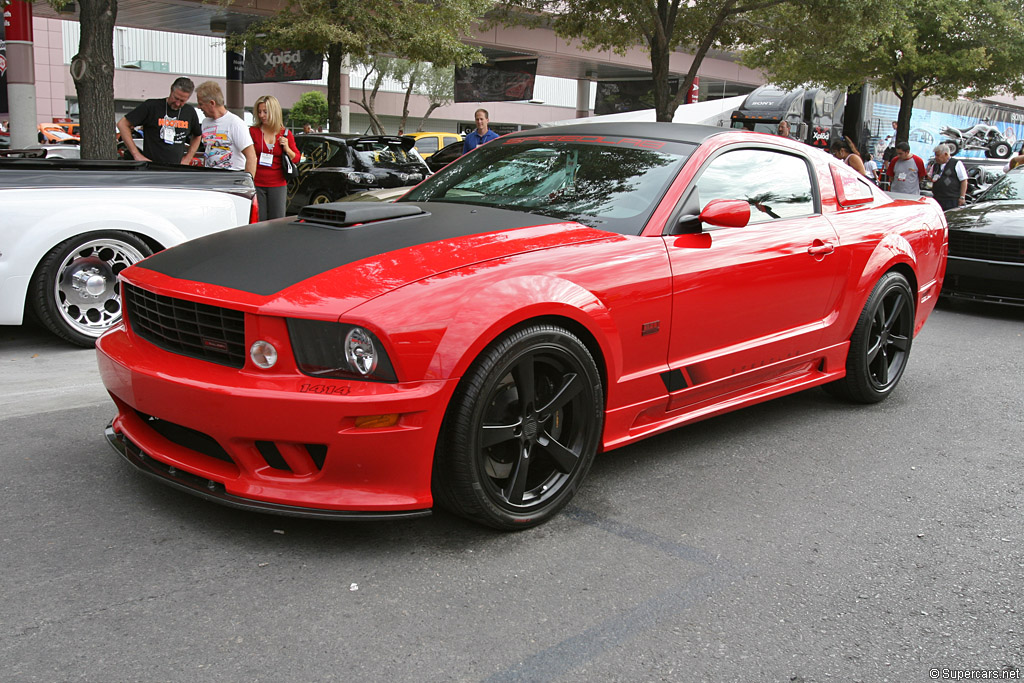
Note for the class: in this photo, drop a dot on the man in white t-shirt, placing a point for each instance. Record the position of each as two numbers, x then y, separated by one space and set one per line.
226 139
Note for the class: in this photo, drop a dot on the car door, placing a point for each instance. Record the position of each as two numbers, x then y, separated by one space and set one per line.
749 302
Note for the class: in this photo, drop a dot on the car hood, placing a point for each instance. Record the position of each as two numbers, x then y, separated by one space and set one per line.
1004 218
327 269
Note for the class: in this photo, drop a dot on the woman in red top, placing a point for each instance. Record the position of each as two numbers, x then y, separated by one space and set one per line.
271 139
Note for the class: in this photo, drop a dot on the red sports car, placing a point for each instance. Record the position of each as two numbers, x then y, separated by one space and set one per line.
552 294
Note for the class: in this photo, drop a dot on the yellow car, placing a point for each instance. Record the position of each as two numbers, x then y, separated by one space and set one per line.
428 143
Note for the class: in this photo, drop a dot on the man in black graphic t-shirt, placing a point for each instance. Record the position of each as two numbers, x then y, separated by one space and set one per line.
170 127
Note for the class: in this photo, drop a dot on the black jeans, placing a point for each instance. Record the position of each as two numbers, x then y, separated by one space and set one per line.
271 201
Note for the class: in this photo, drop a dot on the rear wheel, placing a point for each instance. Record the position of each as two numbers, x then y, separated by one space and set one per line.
74 291
1000 150
880 345
522 430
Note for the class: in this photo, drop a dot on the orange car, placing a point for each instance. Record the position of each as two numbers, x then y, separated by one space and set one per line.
55 133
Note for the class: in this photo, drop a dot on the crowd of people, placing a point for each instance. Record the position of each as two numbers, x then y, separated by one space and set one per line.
172 134
903 171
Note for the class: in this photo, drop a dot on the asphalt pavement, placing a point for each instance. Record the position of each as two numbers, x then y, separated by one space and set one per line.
802 540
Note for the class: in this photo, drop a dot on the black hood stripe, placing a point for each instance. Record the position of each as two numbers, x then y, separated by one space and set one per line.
266 258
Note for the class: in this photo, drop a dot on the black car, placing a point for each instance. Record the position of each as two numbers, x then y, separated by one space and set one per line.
986 245
335 165
444 156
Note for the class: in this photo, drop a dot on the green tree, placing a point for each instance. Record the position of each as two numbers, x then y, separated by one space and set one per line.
943 47
311 108
438 85
411 29
660 26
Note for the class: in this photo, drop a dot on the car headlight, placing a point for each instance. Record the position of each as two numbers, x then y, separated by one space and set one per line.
339 351
403 177
361 178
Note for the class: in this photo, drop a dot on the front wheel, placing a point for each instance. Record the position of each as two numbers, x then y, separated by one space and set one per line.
953 145
320 197
521 431
74 291
880 345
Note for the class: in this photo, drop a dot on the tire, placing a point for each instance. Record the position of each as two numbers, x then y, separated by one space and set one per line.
513 464
74 290
954 147
999 150
880 344
320 197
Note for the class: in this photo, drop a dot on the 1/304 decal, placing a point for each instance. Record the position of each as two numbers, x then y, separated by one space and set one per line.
325 389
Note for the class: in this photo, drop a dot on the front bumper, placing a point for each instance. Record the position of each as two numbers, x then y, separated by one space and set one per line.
980 280
267 442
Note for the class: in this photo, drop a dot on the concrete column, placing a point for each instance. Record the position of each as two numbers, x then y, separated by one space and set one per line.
234 91
346 108
21 74
582 98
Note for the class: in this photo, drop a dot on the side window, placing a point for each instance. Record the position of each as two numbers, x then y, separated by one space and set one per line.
776 185
427 145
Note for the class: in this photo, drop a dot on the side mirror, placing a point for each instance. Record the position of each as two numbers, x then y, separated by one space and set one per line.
726 213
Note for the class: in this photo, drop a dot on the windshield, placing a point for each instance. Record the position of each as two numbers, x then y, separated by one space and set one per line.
382 155
612 183
1008 187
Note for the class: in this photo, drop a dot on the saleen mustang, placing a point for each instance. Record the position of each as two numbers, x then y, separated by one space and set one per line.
550 295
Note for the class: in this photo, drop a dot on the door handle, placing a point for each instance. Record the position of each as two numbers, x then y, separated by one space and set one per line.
820 248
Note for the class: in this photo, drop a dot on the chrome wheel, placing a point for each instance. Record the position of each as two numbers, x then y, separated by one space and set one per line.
74 291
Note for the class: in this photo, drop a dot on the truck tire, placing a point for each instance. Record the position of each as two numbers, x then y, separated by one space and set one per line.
74 290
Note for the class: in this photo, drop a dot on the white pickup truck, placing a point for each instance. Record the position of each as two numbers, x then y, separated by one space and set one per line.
68 227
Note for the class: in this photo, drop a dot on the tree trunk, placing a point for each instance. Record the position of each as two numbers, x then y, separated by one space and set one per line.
906 96
335 59
93 72
430 110
405 104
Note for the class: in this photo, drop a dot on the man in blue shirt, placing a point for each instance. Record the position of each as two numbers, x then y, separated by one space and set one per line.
481 134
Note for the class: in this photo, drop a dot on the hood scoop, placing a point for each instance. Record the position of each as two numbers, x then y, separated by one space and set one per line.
348 214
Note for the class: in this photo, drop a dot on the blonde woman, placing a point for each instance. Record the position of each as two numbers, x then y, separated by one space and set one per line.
271 139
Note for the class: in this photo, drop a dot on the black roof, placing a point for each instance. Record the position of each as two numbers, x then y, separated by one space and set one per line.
673 132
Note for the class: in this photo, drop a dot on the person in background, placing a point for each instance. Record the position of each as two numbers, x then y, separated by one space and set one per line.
784 130
271 141
949 179
481 135
168 124
846 150
1013 163
905 171
225 136
306 128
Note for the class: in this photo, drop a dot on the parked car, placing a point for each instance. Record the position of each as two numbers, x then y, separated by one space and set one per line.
388 194
335 165
546 297
54 133
70 226
442 158
428 143
986 245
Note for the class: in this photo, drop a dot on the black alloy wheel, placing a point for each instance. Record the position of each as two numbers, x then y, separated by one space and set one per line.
522 430
881 341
